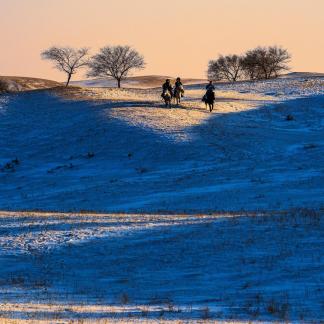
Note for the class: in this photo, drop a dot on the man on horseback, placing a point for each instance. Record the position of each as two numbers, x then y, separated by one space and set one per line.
178 83
210 86
178 86
178 91
167 92
209 97
167 87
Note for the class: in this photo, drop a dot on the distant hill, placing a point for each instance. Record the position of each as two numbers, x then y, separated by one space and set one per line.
148 81
303 75
153 81
15 83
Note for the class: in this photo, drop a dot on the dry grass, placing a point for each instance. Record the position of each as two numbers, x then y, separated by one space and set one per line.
139 82
3 86
151 81
26 83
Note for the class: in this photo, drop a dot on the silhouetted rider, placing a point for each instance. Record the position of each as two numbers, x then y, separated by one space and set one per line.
167 87
210 86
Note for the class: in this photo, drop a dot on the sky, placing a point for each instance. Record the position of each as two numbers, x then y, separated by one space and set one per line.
177 38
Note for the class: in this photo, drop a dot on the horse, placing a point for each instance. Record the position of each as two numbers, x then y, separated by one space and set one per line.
178 92
209 99
167 96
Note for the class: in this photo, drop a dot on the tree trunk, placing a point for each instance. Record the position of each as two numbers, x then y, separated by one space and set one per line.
118 83
68 80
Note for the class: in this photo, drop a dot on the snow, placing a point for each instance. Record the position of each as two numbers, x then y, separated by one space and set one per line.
122 151
148 267
284 88
163 249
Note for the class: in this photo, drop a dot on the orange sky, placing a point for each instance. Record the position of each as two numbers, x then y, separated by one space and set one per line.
176 37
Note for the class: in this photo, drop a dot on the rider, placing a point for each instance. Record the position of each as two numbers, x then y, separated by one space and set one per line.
167 87
210 93
210 86
178 85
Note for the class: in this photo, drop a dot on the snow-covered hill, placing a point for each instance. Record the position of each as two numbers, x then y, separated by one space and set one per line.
261 148
169 256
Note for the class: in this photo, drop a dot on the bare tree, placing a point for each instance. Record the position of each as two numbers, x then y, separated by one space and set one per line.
67 59
278 60
250 65
214 71
266 62
227 67
262 62
115 62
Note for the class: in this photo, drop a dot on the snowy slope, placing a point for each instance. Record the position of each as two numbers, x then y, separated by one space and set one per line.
136 267
135 155
121 150
283 88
